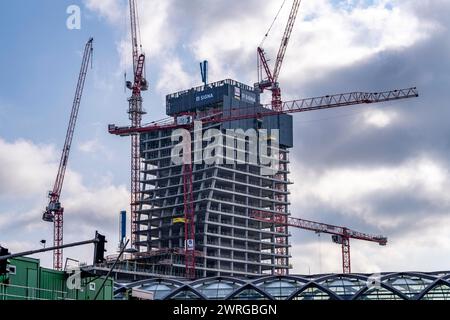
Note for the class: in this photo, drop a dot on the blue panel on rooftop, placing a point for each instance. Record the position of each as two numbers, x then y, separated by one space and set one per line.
230 94
213 93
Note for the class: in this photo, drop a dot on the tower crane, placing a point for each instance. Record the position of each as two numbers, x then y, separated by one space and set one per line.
54 211
340 235
271 83
276 107
135 113
254 112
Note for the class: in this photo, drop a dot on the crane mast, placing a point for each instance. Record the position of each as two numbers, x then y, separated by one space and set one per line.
135 112
54 211
340 235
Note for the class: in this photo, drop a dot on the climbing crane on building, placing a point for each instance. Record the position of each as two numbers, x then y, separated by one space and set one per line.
135 113
340 235
54 211
276 107
255 112
270 82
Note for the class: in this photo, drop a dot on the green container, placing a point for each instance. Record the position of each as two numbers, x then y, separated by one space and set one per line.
52 285
27 280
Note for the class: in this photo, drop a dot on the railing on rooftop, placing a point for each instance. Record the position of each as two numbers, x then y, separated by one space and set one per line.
209 86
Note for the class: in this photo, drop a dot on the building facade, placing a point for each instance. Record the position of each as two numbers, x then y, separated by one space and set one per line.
228 241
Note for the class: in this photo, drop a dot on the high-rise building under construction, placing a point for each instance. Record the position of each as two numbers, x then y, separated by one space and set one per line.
228 241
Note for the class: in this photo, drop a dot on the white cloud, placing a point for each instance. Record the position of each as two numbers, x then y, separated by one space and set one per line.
422 250
25 168
156 37
109 9
95 148
347 189
337 38
326 38
27 171
19 246
379 118
89 146
330 38
173 77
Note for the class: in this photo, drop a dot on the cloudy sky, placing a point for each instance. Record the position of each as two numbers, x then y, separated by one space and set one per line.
382 169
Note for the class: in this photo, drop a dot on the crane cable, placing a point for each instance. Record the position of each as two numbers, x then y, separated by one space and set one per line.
138 29
125 28
271 26
126 24
320 253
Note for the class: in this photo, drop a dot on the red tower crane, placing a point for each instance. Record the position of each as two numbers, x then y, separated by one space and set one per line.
135 112
189 216
54 211
340 235
271 83
276 107
255 112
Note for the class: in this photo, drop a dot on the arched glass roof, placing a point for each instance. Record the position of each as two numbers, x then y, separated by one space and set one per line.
312 292
280 287
217 288
409 284
379 294
439 292
389 286
344 286
186 294
249 294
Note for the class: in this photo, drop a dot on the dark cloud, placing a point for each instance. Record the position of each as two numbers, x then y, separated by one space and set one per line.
422 128
332 140
422 123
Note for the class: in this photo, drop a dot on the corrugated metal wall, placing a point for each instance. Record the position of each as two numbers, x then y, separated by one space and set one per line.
30 281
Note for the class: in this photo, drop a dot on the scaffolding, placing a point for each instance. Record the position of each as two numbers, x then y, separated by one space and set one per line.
227 239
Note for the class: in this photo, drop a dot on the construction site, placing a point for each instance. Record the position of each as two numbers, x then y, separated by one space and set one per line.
210 199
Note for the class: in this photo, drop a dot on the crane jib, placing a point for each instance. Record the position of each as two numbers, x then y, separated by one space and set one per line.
295 106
